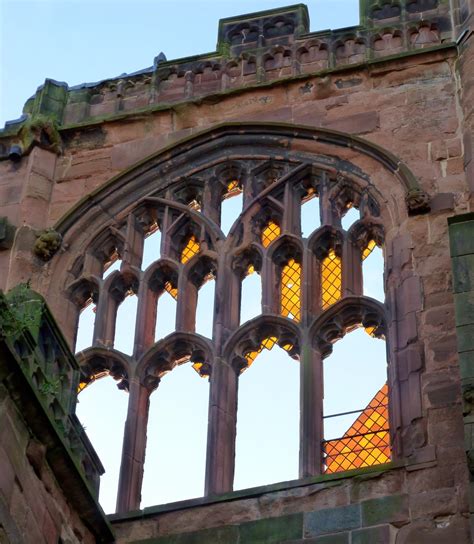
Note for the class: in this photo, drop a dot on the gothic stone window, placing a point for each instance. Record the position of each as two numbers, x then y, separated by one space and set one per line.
312 293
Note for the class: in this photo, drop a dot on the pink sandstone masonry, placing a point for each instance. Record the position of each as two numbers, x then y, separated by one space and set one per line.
379 116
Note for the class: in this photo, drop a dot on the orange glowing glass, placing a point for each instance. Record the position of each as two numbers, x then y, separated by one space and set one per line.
233 186
291 290
270 233
173 291
366 443
331 279
191 248
368 250
267 343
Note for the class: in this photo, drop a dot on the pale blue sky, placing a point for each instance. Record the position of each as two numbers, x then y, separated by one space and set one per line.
88 40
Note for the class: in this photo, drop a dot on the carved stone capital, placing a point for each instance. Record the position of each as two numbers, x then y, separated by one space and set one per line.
47 244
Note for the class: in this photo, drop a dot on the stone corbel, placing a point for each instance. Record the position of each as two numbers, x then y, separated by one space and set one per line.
417 201
47 244
7 233
42 131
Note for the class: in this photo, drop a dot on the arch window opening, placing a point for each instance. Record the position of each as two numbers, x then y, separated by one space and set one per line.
166 312
205 307
350 217
291 290
310 215
85 328
331 279
176 439
151 247
267 442
270 232
192 248
111 266
373 271
102 409
356 425
231 206
251 295
125 324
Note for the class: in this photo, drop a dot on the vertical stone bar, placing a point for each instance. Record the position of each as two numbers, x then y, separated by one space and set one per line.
221 429
146 320
133 450
311 411
461 235
352 284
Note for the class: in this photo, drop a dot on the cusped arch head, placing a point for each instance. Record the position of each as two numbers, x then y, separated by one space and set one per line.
284 248
175 349
249 337
159 273
342 317
250 256
324 239
97 362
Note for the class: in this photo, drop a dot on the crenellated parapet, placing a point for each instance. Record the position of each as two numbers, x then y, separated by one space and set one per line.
254 49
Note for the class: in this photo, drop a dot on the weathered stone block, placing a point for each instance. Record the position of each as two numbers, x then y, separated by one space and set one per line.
465 338
271 530
462 238
332 520
464 308
219 535
383 534
463 273
385 510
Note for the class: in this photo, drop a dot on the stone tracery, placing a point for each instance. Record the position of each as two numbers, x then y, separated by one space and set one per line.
265 238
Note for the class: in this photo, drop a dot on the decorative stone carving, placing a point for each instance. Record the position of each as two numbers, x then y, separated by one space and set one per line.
47 244
7 233
42 131
418 201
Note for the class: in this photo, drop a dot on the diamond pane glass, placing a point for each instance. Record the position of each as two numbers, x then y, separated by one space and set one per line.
331 279
192 248
368 250
270 233
173 291
366 443
291 290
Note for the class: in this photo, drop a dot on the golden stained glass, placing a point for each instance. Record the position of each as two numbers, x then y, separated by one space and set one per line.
233 186
173 291
192 248
270 233
370 331
267 343
197 367
331 279
94 377
368 250
366 443
291 290
250 270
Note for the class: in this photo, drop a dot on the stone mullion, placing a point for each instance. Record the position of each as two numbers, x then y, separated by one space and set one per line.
133 251
146 320
310 288
211 204
328 214
222 428
352 281
270 287
133 450
186 304
291 211
104 327
311 411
